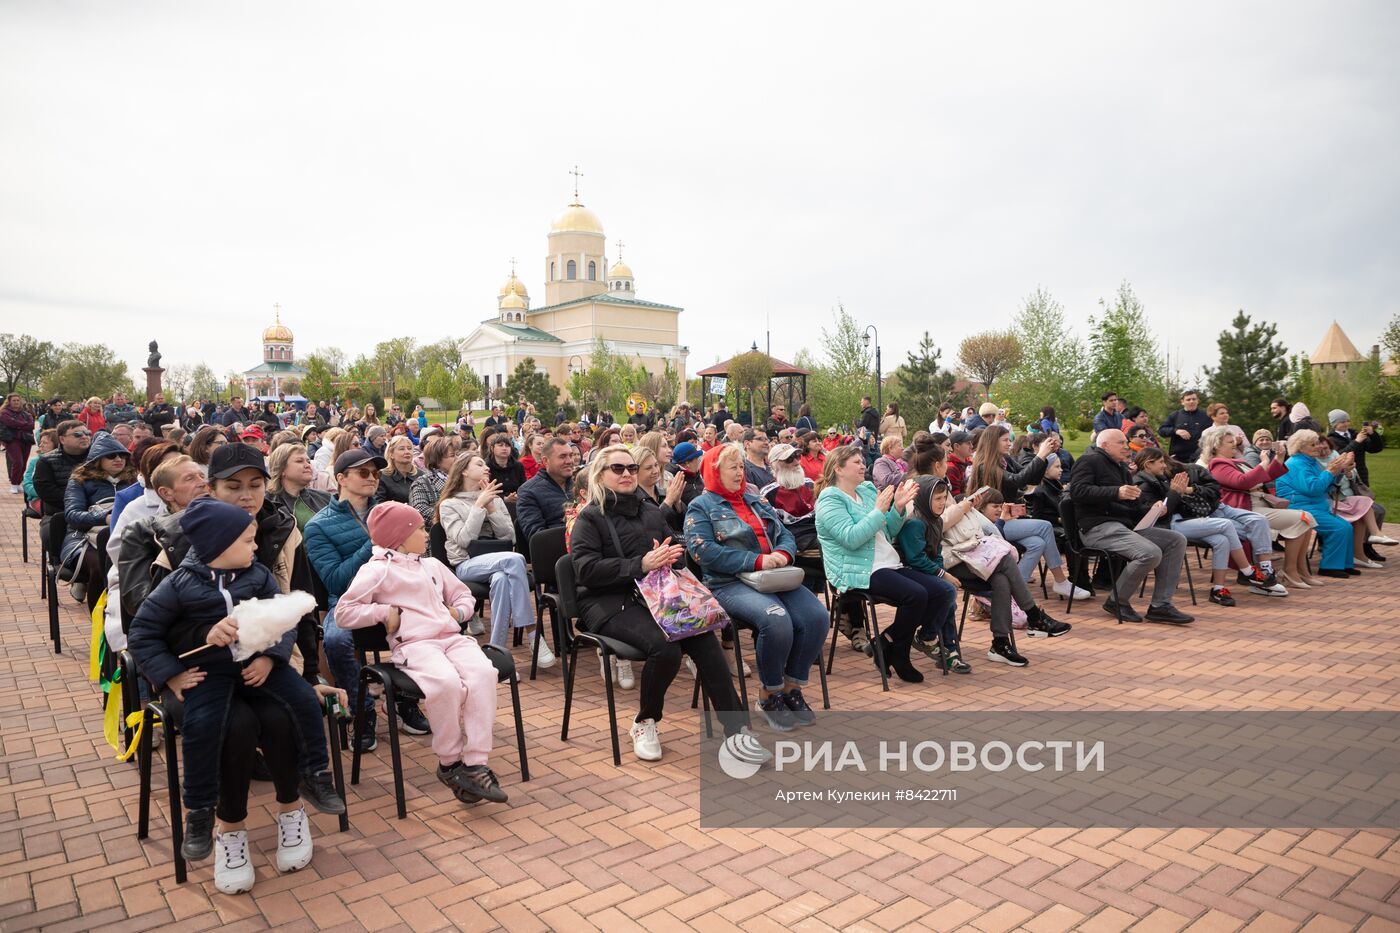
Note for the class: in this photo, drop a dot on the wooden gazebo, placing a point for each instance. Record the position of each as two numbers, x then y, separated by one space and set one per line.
781 370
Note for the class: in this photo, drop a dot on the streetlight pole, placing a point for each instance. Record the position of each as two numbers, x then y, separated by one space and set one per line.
580 369
879 387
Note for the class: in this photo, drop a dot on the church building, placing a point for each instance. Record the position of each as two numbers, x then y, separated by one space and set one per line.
584 299
265 380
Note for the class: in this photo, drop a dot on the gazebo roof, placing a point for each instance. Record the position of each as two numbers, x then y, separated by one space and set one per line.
780 368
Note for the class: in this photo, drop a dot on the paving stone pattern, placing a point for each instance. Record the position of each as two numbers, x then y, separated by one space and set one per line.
585 845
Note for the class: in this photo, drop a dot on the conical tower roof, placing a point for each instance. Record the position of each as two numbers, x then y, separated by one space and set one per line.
1335 348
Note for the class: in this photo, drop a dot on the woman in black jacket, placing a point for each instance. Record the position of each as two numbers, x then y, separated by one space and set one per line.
1190 494
993 466
504 467
617 518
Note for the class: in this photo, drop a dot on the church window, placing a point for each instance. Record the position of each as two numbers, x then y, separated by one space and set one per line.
551 272
571 270
627 285
592 271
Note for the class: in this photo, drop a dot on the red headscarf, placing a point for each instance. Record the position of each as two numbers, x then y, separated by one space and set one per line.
709 471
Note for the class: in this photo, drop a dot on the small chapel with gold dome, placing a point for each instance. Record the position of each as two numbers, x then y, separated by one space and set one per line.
265 380
584 299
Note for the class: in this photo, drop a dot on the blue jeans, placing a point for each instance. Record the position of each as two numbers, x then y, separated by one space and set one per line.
1218 533
948 625
339 646
1250 526
510 591
791 627
206 719
1037 536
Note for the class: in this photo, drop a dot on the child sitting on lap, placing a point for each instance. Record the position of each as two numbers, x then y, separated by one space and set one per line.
422 606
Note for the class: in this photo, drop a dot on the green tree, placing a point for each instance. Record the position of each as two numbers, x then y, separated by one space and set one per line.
533 387
1253 368
987 355
25 361
396 360
319 382
1124 357
88 369
842 373
750 373
203 382
607 381
361 383
436 383
1051 371
921 383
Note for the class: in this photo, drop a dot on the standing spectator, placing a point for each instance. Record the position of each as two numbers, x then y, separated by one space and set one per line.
1048 424
56 414
1106 418
120 410
721 416
17 434
1183 427
943 423
777 421
235 414
805 421
869 417
1359 443
91 415
1279 408
986 414
158 414
1105 500
892 425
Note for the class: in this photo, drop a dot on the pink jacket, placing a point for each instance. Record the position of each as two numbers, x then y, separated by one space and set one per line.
1236 480
421 588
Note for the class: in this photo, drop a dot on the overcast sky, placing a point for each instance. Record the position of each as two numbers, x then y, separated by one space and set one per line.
172 169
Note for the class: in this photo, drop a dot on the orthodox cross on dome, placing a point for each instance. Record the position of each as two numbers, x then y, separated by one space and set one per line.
512 267
619 244
577 175
277 312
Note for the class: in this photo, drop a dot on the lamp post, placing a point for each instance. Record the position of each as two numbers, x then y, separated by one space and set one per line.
879 401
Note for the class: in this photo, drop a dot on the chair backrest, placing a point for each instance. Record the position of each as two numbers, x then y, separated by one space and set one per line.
568 593
488 546
546 547
1069 519
372 638
437 543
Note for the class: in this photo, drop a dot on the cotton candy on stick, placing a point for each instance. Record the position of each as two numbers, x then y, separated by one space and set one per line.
263 622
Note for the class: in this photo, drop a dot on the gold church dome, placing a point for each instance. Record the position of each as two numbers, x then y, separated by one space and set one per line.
277 333
620 270
576 219
513 286
513 302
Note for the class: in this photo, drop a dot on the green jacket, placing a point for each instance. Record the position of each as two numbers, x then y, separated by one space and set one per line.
912 546
846 530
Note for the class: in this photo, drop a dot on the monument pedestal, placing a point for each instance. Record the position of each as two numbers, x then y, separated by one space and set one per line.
153 374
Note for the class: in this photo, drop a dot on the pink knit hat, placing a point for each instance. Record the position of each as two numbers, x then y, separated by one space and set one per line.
390 523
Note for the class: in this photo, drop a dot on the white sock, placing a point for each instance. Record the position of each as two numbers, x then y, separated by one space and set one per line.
1267 566
1247 570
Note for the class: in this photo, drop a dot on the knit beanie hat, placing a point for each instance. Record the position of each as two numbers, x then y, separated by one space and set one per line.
1336 416
390 523
1299 413
211 526
988 409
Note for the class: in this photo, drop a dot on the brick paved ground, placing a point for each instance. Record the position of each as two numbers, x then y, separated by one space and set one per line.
587 845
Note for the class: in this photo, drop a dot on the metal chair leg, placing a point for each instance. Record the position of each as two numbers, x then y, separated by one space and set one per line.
519 727
872 628
612 709
334 746
391 711
177 815
359 720
570 670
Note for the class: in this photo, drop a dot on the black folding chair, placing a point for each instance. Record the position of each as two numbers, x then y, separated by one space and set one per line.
546 547
51 530
1079 553
610 648
867 602
399 685
437 547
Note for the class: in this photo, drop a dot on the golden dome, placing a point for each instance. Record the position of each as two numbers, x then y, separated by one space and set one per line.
620 270
513 286
576 219
277 333
513 302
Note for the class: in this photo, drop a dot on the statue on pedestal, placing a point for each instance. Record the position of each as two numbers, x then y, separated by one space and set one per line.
153 361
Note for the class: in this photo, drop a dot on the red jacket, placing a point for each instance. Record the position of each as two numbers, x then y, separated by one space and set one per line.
812 466
1237 479
92 419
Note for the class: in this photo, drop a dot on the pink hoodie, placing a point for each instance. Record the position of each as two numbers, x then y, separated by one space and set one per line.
421 588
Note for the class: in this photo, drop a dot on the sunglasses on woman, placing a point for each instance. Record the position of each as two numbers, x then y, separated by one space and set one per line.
621 468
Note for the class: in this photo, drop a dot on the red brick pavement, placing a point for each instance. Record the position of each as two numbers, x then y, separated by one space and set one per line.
585 845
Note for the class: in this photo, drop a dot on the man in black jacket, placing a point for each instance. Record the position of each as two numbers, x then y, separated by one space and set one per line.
1366 441
158 414
51 479
869 417
720 416
1184 427
540 502
1106 511
235 414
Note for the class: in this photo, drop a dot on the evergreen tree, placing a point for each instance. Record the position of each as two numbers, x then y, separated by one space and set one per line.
1124 358
921 384
319 381
532 386
1052 368
1252 370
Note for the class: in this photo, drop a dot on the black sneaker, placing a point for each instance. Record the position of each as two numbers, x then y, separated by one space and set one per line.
1353 572
1261 583
411 720
1002 651
1168 614
775 710
1221 596
448 775
319 790
480 782
956 664
1112 607
929 649
1043 626
199 835
364 735
797 705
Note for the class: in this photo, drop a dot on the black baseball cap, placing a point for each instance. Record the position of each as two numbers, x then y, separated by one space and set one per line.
229 459
356 456
960 437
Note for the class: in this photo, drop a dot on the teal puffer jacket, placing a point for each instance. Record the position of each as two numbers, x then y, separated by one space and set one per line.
846 529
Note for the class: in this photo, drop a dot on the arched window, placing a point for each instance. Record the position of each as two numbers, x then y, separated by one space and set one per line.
551 272
592 271
571 270
627 285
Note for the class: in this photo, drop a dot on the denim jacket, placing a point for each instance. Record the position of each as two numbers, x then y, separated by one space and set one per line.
724 544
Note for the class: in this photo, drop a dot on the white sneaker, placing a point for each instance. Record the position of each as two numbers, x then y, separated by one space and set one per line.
1369 564
691 664
14 490
293 840
625 680
233 869
546 658
1063 588
475 626
1382 539
646 744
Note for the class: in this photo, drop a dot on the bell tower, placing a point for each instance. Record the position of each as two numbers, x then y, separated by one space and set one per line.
575 263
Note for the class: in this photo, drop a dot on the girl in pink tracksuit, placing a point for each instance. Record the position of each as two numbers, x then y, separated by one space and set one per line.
423 606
